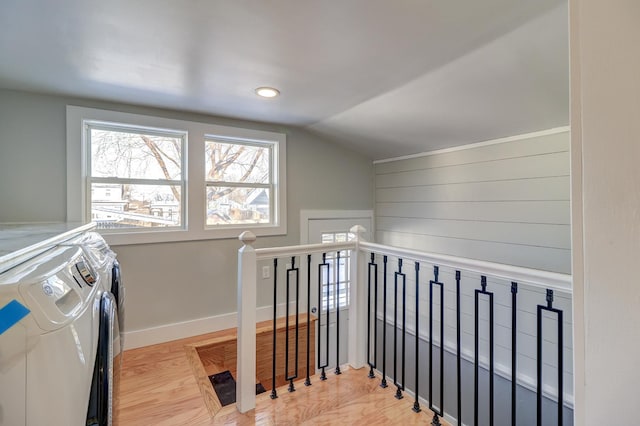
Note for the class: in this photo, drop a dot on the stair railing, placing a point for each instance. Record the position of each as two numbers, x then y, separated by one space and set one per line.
386 285
248 260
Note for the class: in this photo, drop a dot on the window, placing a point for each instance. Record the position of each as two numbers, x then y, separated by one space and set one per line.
151 179
136 176
240 186
345 266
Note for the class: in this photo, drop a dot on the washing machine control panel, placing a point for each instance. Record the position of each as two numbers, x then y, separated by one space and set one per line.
60 286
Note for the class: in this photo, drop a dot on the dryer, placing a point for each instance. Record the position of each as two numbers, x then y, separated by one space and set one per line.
104 261
103 400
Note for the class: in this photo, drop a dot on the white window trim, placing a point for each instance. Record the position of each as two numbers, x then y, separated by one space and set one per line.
307 215
195 215
271 186
181 183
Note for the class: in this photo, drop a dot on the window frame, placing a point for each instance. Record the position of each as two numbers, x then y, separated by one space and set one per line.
334 280
194 216
273 166
88 125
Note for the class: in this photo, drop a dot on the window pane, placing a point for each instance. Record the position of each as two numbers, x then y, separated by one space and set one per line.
125 154
227 162
226 205
345 264
135 206
327 238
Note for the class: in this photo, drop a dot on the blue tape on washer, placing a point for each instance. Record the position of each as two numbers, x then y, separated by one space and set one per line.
12 312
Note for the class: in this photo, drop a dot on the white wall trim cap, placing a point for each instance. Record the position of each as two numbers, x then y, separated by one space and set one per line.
547 132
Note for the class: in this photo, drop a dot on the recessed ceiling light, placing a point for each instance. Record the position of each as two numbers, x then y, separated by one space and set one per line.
267 92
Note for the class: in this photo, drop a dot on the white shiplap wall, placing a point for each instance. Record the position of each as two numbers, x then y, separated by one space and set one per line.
505 202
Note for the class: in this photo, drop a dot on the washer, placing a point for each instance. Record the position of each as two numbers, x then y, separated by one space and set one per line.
60 358
47 358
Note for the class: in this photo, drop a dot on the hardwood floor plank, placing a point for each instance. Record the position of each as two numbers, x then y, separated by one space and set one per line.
202 377
159 387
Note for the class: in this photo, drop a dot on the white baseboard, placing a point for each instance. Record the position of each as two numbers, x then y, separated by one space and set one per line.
180 330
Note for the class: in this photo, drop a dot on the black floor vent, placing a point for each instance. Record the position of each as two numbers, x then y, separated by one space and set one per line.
225 386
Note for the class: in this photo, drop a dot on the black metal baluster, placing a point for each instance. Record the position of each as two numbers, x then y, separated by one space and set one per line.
435 282
399 386
296 273
375 317
395 325
323 284
274 394
475 361
560 367
539 366
514 347
483 283
383 383
416 403
337 303
404 328
458 348
307 381
560 401
372 365
491 360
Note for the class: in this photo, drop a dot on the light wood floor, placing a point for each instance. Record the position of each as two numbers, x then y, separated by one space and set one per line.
158 387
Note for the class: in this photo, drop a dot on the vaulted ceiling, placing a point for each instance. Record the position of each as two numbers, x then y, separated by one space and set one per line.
385 78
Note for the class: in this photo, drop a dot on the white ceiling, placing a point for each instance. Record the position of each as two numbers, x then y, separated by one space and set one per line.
385 78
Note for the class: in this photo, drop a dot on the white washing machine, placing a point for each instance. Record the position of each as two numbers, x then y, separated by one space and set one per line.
59 335
103 402
47 359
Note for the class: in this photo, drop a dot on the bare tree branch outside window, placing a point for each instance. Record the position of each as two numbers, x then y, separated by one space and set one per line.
238 183
137 179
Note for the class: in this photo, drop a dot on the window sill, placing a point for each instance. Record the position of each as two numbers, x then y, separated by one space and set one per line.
168 236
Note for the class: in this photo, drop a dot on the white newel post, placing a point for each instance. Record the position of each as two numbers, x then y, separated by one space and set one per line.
358 303
246 363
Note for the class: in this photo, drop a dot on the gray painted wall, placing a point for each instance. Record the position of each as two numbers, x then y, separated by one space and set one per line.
167 282
506 203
